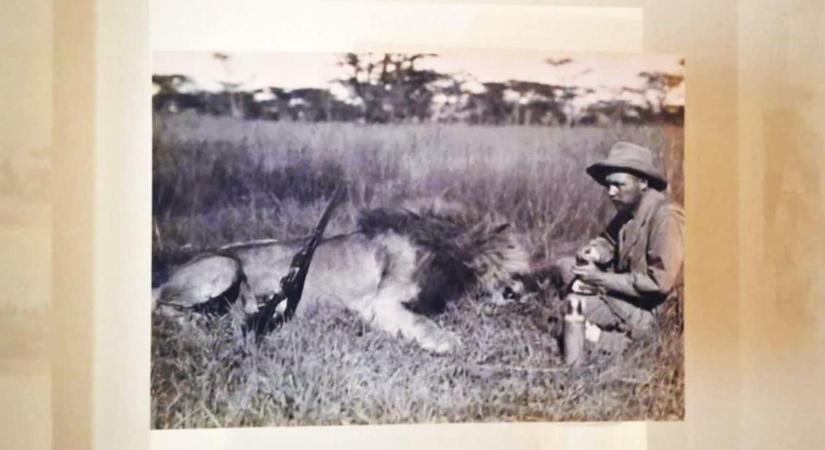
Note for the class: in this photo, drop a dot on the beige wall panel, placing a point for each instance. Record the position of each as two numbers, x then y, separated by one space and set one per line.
26 74
754 339
341 25
73 302
782 162
705 32
122 222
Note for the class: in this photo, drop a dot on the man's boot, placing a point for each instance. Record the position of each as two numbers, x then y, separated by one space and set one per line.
606 344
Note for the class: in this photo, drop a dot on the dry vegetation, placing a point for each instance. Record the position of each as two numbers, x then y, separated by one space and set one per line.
218 180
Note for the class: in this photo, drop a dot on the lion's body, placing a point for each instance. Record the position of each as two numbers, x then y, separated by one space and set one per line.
399 267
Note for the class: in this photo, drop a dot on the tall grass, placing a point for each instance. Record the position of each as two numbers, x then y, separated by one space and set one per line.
218 180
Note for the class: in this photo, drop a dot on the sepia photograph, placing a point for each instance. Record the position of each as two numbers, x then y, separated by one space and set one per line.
400 238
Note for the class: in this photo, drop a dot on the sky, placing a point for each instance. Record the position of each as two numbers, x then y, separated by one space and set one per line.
293 70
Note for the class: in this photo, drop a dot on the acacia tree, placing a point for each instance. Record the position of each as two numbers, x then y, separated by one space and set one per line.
231 88
496 108
174 92
170 84
667 89
388 87
539 103
663 85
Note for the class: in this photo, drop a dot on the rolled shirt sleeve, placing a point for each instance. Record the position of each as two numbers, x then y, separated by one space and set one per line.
665 253
622 283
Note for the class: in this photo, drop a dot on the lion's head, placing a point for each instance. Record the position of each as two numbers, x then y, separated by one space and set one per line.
497 260
463 251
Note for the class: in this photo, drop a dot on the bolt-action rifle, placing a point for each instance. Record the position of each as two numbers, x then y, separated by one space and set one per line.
292 284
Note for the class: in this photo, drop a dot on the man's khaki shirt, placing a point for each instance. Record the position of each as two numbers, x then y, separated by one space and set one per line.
648 250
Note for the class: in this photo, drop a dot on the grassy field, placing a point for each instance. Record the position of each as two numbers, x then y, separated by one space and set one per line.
218 180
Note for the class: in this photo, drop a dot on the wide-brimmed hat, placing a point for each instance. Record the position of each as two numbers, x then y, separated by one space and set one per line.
632 158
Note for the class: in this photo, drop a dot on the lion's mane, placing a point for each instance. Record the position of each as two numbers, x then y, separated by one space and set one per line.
460 251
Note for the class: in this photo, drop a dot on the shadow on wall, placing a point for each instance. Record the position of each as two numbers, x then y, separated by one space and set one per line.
794 220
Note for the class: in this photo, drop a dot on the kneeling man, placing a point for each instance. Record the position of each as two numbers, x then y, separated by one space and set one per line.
635 265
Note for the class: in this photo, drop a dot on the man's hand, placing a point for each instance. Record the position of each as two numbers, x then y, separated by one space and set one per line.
611 282
590 274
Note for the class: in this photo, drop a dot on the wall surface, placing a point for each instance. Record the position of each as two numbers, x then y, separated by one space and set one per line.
782 190
755 338
25 223
74 93
705 32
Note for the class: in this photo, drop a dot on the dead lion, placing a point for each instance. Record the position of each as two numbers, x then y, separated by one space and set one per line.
398 267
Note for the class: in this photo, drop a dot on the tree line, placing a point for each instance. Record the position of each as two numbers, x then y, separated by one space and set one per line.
393 88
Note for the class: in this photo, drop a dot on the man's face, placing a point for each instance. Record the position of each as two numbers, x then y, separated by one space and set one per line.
625 190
